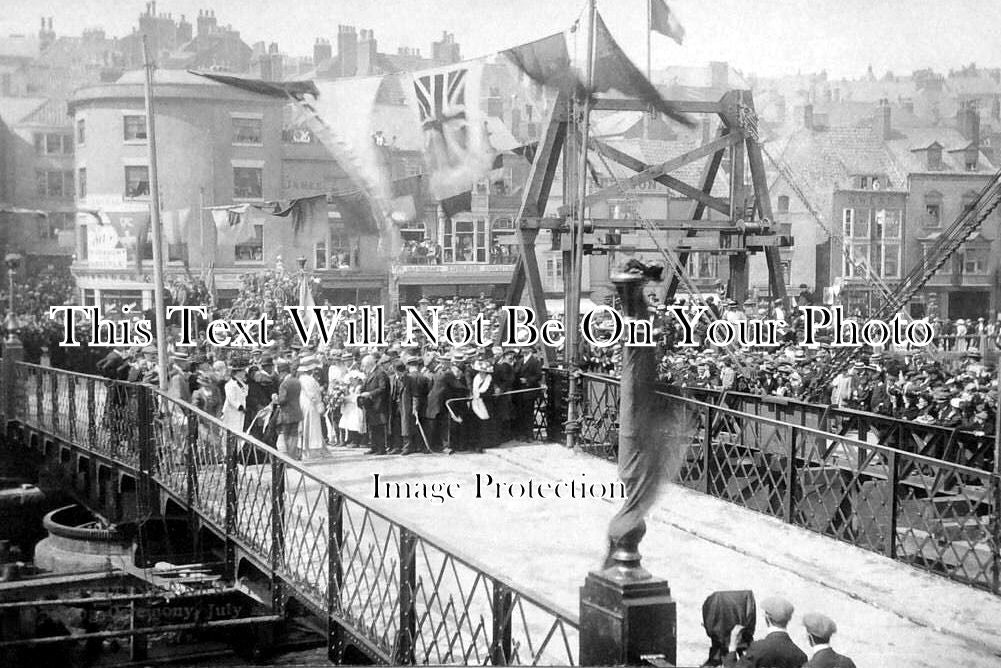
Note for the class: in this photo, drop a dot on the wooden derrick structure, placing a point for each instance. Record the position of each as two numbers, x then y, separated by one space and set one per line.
746 229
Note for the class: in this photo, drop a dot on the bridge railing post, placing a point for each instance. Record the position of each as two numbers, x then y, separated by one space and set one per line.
232 503
893 503
191 477
277 533
335 574
55 400
71 396
790 500
92 413
707 450
408 599
503 611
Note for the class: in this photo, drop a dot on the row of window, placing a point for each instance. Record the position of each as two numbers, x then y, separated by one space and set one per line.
246 131
248 182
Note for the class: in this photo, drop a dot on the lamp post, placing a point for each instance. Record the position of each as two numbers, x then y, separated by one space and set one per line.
13 262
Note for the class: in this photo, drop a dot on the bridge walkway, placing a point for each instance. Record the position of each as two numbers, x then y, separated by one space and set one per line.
890 614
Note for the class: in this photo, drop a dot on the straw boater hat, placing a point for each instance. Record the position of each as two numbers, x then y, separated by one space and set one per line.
308 363
483 366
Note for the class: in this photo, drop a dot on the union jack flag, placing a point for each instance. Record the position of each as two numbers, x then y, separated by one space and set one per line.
441 97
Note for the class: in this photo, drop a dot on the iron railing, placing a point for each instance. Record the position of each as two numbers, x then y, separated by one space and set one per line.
399 595
936 515
959 446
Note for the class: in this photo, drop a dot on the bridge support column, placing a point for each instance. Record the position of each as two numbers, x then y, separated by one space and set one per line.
12 354
625 614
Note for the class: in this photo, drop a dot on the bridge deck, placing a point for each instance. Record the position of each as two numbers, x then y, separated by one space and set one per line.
890 614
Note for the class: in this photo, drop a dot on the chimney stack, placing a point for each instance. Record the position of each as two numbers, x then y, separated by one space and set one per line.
969 124
886 120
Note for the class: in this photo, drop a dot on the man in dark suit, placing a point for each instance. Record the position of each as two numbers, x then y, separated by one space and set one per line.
504 380
413 404
776 649
819 629
528 372
288 415
374 400
448 383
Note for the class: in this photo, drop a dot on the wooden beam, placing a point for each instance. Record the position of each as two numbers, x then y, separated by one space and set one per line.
684 106
776 280
652 172
666 180
698 208
533 204
631 224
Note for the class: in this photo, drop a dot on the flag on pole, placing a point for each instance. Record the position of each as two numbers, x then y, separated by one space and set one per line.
664 21
546 61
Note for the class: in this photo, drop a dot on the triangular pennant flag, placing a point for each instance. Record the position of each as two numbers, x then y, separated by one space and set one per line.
547 62
664 21
614 71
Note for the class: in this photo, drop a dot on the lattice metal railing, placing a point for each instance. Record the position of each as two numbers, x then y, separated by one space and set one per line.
401 596
934 514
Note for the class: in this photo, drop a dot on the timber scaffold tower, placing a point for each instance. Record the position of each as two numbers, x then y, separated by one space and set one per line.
746 226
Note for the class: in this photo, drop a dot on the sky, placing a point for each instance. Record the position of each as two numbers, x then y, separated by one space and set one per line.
765 37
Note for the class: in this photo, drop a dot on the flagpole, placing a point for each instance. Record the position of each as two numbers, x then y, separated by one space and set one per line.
157 231
573 296
649 60
201 228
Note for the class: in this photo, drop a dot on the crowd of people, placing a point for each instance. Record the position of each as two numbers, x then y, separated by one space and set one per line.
947 384
729 618
392 399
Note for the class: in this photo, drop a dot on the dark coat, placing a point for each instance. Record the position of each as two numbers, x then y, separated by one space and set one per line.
376 403
504 381
529 371
416 387
288 401
775 650
444 386
828 658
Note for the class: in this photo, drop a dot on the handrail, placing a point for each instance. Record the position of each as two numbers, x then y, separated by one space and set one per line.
329 546
295 465
885 449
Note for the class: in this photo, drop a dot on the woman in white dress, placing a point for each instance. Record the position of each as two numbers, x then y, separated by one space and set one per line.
352 416
234 408
311 405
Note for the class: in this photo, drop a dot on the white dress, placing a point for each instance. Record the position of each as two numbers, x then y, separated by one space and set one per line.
235 405
311 405
352 417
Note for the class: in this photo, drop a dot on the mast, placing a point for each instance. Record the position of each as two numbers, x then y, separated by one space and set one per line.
156 229
577 267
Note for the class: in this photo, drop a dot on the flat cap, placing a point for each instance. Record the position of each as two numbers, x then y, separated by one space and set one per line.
778 609
819 626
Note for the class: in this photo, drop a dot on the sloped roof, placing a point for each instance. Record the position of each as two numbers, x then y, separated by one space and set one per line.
13 110
907 150
52 113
